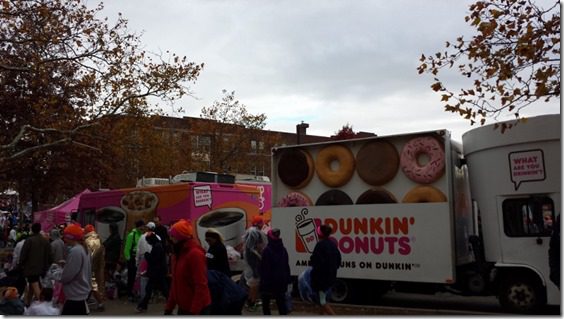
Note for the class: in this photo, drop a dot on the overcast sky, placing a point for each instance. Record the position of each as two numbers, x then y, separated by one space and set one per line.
325 62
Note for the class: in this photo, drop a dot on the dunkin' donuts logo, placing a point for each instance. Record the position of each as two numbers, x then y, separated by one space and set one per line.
369 235
305 231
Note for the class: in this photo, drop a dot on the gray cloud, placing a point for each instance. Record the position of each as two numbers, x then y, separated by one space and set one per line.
327 62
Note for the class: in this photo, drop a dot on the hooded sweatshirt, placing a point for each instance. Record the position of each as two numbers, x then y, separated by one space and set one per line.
189 288
76 274
58 248
274 269
325 261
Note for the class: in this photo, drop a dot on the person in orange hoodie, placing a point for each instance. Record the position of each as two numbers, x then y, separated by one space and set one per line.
189 290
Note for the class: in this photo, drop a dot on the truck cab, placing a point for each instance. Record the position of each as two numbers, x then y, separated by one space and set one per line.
515 179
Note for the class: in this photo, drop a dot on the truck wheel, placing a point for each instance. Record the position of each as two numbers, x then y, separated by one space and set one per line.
522 295
354 291
340 291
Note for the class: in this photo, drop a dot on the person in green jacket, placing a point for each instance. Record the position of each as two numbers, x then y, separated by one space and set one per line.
129 253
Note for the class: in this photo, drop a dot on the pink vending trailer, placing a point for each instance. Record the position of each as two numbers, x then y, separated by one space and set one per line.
229 208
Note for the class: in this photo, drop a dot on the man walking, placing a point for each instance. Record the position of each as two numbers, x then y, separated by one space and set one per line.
77 273
35 260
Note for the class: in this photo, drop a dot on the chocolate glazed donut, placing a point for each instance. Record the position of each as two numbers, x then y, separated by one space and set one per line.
295 168
333 197
377 195
377 162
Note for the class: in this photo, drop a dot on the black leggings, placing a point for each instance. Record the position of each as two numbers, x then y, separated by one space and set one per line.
280 302
131 274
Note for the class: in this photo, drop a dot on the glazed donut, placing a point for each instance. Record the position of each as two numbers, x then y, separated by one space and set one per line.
429 172
333 197
324 165
376 196
424 194
295 167
295 199
377 162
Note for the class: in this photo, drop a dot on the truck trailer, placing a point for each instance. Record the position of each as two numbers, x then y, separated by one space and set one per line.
421 211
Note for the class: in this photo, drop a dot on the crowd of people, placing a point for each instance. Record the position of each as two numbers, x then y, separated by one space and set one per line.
69 270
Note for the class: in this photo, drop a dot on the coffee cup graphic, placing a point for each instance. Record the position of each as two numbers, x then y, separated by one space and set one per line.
230 222
106 216
306 232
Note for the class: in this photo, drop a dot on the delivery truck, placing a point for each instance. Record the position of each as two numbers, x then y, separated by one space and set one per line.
420 211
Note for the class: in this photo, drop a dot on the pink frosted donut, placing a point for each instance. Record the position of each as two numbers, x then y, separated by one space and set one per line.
295 199
433 169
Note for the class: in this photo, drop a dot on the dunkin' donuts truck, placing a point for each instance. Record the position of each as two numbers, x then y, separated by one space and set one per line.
421 212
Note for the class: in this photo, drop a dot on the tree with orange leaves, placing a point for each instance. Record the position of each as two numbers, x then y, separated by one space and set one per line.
512 61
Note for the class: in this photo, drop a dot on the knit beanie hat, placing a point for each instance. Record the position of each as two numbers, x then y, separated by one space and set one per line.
181 230
257 220
88 228
73 232
11 293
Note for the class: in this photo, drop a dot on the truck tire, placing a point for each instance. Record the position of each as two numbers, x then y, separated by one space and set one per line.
354 291
341 291
522 295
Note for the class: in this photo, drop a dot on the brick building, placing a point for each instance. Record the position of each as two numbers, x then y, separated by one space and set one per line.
211 144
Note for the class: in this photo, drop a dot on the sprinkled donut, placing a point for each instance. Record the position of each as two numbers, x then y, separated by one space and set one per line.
295 199
295 167
334 174
424 194
429 172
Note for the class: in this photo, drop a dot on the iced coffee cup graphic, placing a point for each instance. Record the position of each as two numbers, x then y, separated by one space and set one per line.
139 205
306 232
230 222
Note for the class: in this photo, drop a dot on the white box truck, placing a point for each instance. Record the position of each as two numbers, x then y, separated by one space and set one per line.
421 210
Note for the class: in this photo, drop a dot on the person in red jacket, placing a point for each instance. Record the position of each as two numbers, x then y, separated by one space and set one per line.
189 290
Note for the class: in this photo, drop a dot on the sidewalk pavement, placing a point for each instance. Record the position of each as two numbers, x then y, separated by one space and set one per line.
121 307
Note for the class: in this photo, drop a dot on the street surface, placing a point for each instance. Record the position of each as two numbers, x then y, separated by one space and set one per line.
397 304
124 308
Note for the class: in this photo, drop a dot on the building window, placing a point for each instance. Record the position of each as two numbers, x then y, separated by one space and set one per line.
528 216
204 140
253 146
201 143
261 147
